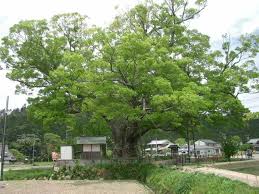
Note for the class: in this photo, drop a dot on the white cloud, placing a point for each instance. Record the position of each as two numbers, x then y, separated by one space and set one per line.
7 88
234 17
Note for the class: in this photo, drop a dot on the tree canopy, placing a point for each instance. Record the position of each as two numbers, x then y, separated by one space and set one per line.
147 70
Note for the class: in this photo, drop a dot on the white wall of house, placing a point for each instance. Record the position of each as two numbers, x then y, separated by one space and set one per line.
206 152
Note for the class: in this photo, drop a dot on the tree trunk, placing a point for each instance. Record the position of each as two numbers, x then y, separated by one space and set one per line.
194 147
125 142
125 147
188 142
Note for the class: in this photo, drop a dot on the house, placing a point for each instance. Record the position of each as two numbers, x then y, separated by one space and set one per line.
92 148
8 157
203 147
159 147
209 143
201 150
204 150
255 143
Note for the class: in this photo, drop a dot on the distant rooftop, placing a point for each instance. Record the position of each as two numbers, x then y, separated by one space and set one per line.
158 142
207 140
91 140
253 141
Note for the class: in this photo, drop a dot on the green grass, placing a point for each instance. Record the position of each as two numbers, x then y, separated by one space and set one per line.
165 181
161 180
43 163
248 170
249 167
27 174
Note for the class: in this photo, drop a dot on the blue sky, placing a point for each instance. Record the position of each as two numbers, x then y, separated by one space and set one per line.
234 17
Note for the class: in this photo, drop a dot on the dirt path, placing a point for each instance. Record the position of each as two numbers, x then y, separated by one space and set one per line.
73 187
249 179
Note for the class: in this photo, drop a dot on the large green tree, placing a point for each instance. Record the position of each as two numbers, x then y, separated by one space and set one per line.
147 70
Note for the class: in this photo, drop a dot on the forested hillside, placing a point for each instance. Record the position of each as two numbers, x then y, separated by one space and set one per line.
22 133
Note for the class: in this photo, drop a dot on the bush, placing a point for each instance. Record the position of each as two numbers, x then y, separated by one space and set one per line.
246 146
18 155
121 171
162 180
28 174
231 146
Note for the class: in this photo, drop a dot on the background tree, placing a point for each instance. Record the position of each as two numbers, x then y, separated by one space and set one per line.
180 141
18 155
231 146
52 143
30 145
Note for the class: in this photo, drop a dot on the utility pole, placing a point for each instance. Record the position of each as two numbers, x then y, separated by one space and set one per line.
3 139
33 146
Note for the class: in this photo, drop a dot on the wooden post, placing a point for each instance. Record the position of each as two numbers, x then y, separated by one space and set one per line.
91 152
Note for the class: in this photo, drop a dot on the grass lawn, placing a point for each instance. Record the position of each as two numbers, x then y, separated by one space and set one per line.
248 170
249 167
161 180
43 163
27 174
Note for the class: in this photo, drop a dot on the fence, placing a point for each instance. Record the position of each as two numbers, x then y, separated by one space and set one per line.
184 160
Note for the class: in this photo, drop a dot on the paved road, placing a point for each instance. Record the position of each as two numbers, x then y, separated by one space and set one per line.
73 187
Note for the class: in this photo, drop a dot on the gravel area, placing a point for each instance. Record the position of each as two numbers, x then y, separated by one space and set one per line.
73 187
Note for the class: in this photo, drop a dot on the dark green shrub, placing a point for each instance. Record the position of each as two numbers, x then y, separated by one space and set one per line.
28 174
114 171
162 180
168 181
18 155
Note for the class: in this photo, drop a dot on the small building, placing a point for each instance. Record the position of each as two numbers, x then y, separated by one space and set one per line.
174 149
255 143
92 148
209 143
201 150
8 156
159 147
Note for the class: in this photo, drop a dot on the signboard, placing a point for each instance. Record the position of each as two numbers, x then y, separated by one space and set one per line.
66 152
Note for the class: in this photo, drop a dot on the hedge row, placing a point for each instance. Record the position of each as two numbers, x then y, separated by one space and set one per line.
28 174
160 180
117 171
